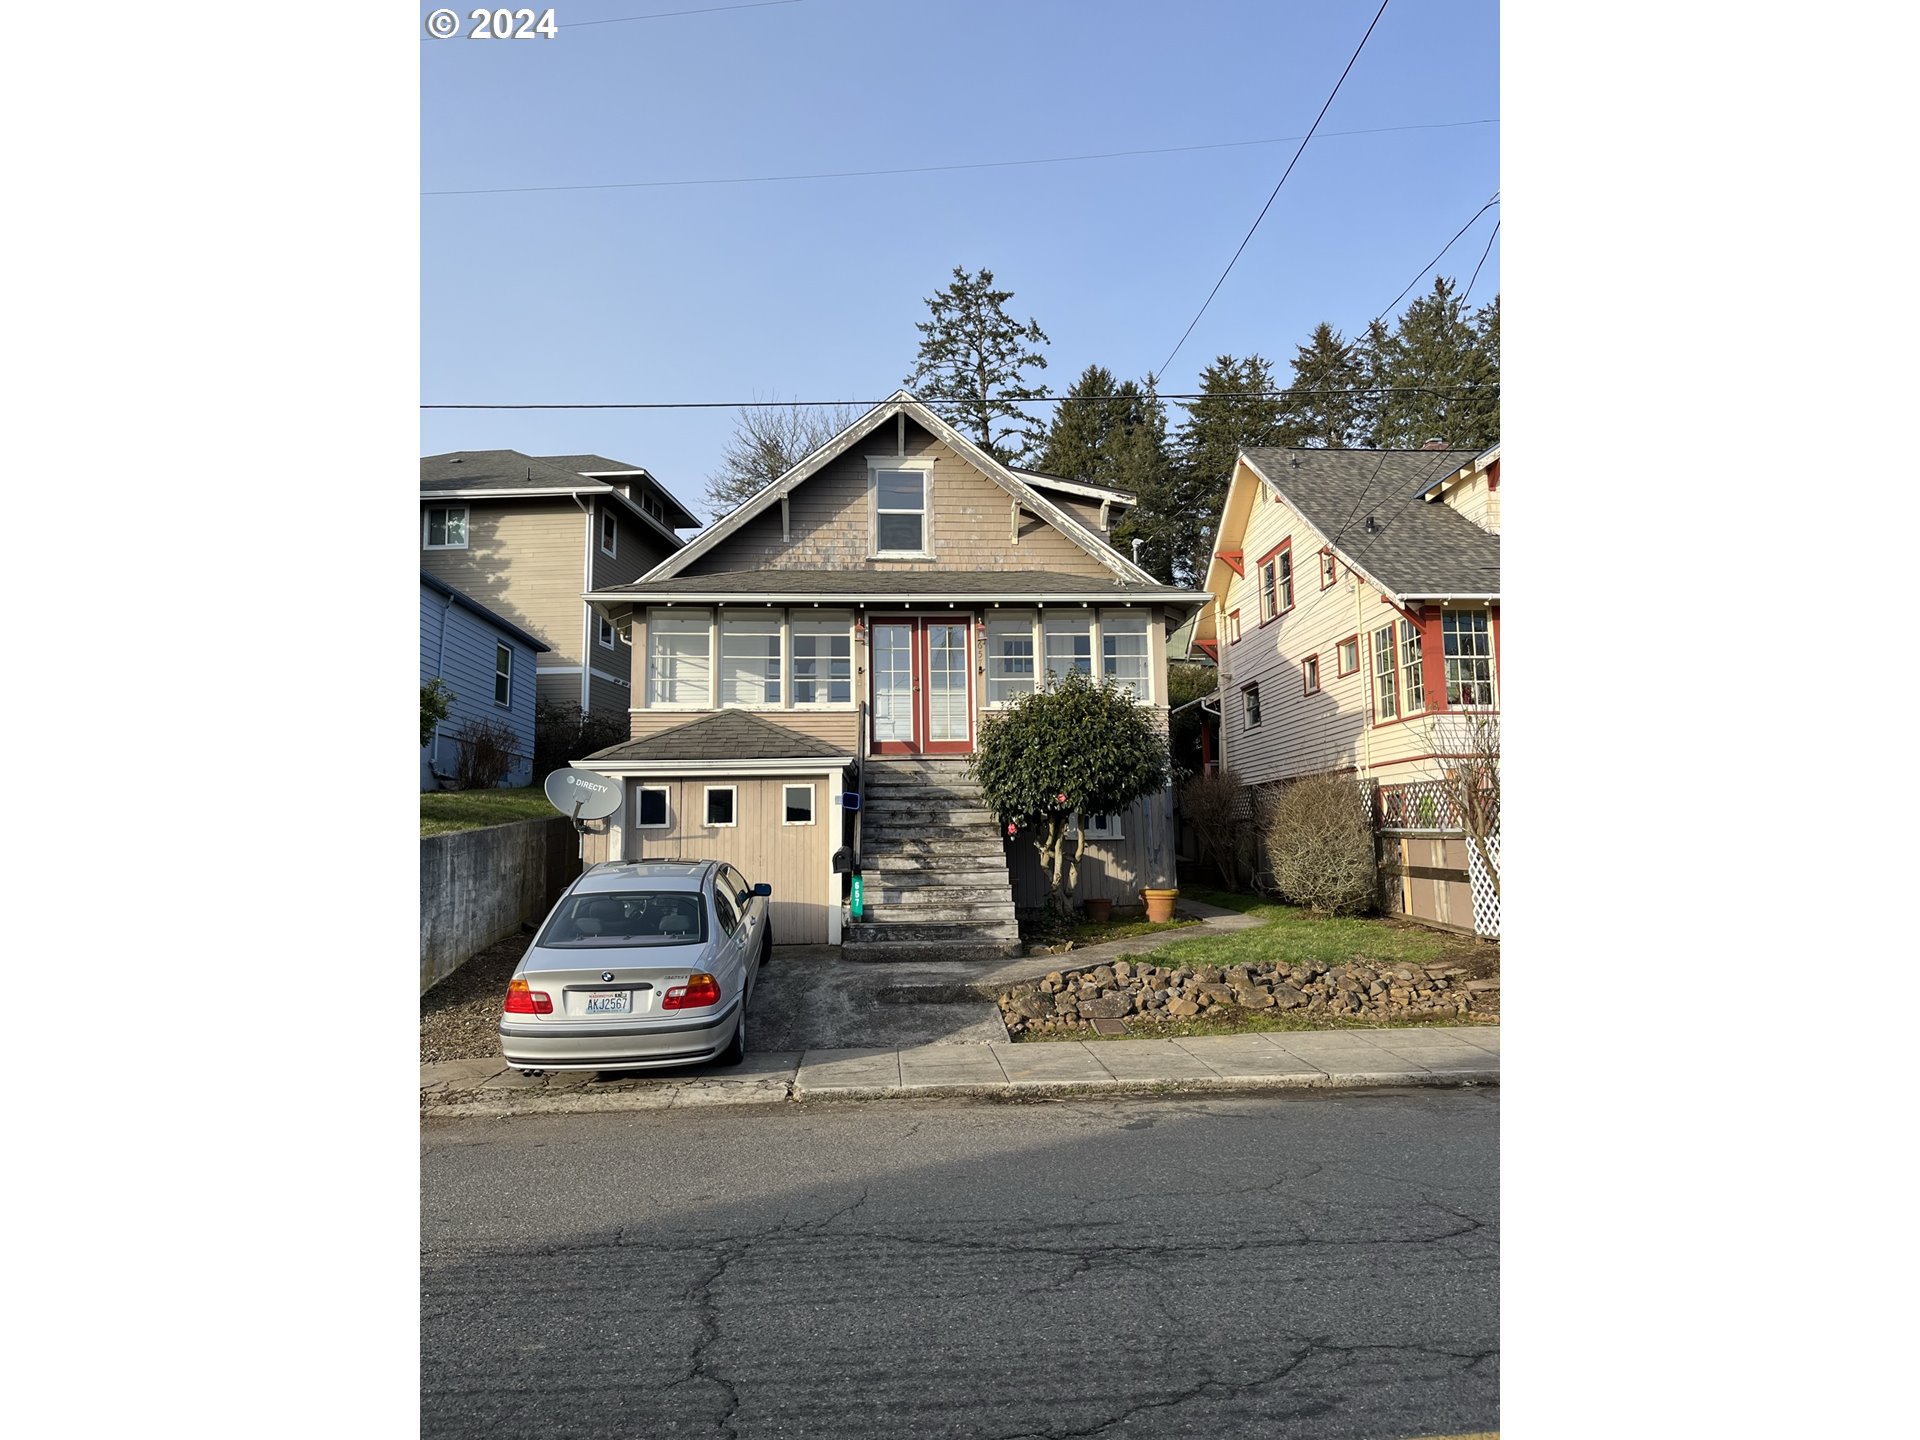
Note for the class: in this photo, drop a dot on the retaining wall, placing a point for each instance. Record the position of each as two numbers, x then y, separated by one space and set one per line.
479 886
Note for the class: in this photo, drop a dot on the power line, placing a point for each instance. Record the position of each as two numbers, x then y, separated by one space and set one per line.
869 404
1483 260
1276 189
1442 255
938 169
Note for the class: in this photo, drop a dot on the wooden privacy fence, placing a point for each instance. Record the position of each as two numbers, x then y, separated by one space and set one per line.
1428 869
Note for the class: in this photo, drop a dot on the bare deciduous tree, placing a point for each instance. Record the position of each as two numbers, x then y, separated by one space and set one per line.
767 442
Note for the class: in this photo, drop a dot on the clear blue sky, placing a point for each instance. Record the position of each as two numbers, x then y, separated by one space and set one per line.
811 288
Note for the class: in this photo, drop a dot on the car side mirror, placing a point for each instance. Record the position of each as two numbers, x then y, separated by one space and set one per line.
763 889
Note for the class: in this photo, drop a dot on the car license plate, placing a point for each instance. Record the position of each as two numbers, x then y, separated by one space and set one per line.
610 1002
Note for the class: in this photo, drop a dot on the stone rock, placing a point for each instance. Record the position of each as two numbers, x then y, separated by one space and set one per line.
1100 975
1207 974
1065 1002
1032 1007
1254 999
1286 997
1123 970
1182 1008
1477 986
1109 1007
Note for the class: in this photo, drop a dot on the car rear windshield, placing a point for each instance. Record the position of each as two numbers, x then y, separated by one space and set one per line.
627 917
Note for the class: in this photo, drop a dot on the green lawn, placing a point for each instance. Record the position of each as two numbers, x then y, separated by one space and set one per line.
1295 935
443 811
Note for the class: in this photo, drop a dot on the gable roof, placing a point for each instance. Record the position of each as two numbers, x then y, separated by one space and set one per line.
730 735
1413 550
507 474
902 402
468 603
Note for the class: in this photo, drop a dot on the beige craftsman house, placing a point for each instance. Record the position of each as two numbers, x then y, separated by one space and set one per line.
1355 620
846 632
528 535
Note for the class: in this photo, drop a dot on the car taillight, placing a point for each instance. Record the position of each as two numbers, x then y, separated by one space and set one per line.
700 989
523 1001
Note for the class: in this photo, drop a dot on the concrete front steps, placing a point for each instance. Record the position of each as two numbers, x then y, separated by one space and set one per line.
933 868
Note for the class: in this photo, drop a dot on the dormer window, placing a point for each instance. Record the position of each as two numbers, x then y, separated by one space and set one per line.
900 508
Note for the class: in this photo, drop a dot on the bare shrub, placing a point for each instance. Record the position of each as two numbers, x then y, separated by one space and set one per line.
1320 840
1214 806
487 752
562 734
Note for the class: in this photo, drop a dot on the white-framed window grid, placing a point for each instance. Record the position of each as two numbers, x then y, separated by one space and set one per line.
750 662
502 676
822 656
730 809
1413 685
1028 649
680 661
1386 690
797 804
604 631
901 491
1250 701
444 527
651 810
609 531
1467 645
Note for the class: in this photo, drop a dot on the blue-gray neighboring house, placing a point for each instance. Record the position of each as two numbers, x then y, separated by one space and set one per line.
488 664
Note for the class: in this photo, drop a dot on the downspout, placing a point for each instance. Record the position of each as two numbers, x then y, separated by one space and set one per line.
586 616
440 673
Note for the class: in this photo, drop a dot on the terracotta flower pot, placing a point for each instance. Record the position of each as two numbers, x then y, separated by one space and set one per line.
1099 911
1159 904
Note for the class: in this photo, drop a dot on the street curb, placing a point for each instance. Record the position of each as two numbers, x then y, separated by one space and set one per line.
792 1093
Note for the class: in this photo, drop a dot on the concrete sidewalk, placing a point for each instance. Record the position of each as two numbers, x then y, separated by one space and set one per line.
1268 1060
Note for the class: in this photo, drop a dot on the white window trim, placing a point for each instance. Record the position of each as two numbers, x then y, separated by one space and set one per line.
704 702
706 812
499 674
606 632
752 625
426 526
1251 715
1037 659
924 465
813 804
609 520
666 807
803 625
1141 696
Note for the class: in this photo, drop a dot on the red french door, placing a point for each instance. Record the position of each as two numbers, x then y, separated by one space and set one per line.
922 685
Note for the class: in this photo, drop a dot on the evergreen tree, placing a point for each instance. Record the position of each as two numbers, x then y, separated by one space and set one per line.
1324 408
971 363
1435 361
1083 422
1138 462
1238 406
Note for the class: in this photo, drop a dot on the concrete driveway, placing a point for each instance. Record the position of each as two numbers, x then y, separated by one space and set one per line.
809 998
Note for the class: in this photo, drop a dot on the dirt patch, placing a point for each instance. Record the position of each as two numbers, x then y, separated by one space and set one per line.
459 1017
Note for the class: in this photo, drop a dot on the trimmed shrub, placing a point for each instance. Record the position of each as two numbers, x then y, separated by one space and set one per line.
1320 841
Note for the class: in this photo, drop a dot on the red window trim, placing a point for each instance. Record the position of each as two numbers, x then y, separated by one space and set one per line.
1338 645
1233 627
1245 723
1326 553
1260 592
1314 688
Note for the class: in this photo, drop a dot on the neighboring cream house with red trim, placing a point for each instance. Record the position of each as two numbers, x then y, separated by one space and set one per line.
1356 605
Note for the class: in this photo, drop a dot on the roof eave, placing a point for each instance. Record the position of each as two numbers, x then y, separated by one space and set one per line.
797 765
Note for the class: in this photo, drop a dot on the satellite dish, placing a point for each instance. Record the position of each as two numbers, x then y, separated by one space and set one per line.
583 795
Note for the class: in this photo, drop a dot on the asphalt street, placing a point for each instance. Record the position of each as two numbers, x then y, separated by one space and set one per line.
1293 1265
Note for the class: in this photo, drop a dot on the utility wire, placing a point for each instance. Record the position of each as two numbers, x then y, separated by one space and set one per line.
938 169
1483 260
1276 189
1442 255
1035 400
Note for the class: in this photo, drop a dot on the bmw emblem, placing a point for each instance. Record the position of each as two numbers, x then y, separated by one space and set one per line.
606 975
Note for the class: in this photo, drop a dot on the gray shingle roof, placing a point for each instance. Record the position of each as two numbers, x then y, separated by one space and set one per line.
857 584
504 470
1419 548
580 464
729 735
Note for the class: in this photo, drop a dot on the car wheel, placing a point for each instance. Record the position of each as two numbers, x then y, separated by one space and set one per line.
736 1050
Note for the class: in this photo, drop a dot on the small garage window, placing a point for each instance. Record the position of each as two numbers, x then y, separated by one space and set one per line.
652 809
798 804
721 805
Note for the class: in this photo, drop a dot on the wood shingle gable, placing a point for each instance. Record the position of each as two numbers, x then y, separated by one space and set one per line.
981 515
